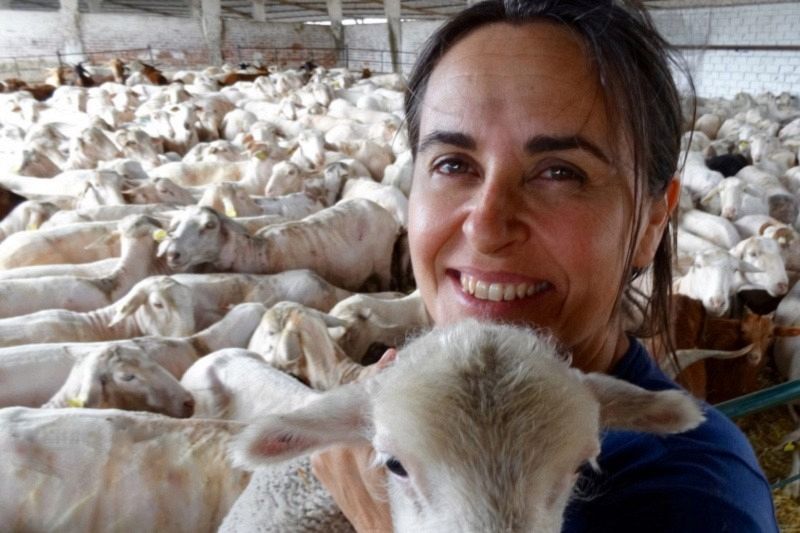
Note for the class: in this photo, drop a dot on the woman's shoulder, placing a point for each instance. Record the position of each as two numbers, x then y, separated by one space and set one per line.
707 479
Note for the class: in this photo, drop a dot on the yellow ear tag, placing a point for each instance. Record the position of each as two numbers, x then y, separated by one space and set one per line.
159 235
261 154
790 447
33 226
75 402
231 212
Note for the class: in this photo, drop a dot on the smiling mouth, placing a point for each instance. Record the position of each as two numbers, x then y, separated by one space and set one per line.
500 292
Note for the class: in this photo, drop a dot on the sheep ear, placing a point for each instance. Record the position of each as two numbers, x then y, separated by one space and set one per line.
628 407
336 417
710 194
127 305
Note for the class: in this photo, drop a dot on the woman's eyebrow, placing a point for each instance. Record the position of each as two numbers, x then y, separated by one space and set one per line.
547 143
453 138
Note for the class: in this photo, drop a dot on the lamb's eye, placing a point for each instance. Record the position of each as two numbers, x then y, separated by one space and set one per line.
210 224
127 377
396 467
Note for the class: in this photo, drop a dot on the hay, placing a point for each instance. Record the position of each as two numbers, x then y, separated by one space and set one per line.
765 431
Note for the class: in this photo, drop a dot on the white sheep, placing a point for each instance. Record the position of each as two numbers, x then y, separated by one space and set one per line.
106 470
370 320
711 279
32 373
73 243
165 309
137 261
463 401
363 228
123 378
237 384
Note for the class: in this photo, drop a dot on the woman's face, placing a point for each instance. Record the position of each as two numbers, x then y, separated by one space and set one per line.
522 201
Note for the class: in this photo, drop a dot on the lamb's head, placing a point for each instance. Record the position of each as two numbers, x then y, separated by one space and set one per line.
159 305
294 338
229 198
482 428
160 190
764 254
285 178
196 236
104 187
712 277
123 378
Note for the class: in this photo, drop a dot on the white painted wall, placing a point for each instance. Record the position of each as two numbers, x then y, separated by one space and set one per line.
727 72
179 40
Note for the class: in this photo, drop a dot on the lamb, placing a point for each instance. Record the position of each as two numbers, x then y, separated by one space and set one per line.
237 384
137 261
360 226
387 196
214 294
370 320
123 378
32 373
715 229
547 418
165 309
295 339
105 470
765 255
26 216
74 243
710 279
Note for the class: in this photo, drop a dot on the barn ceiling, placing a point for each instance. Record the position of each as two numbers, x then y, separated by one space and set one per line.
315 10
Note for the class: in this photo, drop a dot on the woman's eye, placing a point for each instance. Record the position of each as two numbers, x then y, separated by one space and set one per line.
452 166
396 467
563 173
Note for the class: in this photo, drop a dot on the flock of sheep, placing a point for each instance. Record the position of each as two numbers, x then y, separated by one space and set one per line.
184 247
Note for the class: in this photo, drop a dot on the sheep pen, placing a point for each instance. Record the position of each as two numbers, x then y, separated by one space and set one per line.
162 147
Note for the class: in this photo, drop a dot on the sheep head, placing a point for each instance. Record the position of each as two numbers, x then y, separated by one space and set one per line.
482 428
123 378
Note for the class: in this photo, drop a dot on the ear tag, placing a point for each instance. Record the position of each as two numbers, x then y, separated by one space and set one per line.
33 226
261 154
75 402
231 212
159 235
790 447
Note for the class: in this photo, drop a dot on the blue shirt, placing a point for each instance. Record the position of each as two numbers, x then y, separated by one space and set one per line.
706 480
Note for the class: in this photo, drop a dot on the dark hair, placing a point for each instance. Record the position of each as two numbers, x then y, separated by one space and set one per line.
632 62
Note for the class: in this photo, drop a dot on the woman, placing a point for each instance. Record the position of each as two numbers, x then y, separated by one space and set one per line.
545 136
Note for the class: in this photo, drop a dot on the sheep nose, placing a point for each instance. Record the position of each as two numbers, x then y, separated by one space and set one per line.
729 213
716 306
188 408
173 256
781 288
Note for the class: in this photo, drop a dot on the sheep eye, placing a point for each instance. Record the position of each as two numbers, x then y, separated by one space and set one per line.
211 224
127 377
158 305
396 467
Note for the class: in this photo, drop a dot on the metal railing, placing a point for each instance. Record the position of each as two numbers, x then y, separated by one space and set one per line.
375 59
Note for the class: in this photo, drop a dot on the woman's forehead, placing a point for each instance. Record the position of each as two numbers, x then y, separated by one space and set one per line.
534 76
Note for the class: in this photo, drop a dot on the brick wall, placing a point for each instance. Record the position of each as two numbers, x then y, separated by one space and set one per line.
727 72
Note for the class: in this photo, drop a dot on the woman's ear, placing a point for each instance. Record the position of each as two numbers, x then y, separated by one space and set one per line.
656 216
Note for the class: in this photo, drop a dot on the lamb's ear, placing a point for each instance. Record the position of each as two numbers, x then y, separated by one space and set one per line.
336 417
628 407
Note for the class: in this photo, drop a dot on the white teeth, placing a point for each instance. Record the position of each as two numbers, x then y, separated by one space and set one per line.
481 290
497 292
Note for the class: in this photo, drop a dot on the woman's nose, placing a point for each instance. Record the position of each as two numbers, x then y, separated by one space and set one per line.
493 224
